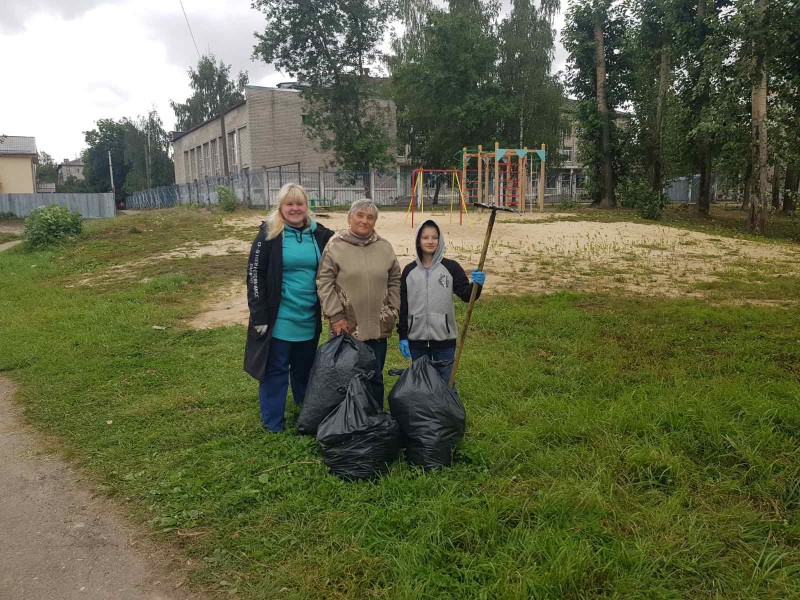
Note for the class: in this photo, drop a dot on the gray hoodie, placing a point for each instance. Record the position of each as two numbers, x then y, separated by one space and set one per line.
427 313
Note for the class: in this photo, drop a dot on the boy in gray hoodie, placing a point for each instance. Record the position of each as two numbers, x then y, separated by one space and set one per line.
427 324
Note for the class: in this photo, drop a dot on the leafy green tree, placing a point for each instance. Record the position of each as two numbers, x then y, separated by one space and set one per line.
533 99
330 46
214 91
47 169
593 35
75 186
650 48
109 135
147 150
784 122
446 89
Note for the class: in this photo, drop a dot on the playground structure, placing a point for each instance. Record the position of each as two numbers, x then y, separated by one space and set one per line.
501 177
430 183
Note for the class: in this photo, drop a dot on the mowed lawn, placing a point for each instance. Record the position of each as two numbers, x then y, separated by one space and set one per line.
616 446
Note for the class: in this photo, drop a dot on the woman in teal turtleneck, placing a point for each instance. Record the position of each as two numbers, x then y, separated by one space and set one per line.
285 316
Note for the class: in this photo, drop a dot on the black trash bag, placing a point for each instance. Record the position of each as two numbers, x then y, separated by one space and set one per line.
359 440
431 417
335 364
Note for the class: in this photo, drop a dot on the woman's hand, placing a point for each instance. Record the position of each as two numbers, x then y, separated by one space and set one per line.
339 327
261 329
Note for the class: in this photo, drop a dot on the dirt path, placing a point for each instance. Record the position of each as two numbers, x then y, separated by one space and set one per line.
58 542
8 245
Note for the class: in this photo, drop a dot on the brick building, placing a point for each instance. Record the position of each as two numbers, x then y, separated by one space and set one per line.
265 131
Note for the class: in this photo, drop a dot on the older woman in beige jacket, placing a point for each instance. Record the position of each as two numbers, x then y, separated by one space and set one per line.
358 283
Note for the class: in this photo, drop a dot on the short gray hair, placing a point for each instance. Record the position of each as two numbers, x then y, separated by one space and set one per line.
363 204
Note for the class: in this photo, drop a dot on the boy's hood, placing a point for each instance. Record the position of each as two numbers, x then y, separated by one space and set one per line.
437 256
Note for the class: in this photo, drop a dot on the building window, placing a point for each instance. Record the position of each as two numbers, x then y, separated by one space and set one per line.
207 157
240 159
214 159
186 166
232 152
192 165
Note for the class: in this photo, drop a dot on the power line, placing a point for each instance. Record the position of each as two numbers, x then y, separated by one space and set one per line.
190 29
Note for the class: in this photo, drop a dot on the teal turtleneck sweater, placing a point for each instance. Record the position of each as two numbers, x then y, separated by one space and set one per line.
296 313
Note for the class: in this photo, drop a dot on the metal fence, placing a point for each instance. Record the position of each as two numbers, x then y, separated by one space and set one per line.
259 188
90 206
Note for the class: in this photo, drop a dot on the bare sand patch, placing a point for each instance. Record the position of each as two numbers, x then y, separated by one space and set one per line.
228 307
537 253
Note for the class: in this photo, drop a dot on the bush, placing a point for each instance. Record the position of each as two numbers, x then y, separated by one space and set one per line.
7 216
226 198
51 225
636 193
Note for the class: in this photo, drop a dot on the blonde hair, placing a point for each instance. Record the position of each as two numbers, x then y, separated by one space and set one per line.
275 222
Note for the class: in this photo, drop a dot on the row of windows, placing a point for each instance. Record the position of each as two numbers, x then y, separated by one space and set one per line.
206 160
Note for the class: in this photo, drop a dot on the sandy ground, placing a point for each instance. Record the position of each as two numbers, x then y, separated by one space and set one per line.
535 253
538 253
57 540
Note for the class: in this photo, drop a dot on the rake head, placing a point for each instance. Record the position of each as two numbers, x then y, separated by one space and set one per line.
494 207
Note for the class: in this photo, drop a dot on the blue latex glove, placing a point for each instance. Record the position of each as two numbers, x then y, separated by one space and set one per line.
404 350
478 277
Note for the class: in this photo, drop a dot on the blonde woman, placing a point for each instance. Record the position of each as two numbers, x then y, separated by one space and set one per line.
285 315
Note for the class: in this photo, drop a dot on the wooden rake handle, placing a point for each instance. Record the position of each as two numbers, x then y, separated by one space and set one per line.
472 297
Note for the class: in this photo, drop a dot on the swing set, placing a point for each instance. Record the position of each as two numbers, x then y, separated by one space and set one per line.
423 180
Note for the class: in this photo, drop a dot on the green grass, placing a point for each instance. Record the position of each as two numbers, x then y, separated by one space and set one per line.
617 447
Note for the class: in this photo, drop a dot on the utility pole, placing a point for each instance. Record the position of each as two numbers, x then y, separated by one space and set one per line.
111 171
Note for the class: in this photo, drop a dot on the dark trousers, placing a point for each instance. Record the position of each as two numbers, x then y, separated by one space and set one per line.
379 348
286 360
437 354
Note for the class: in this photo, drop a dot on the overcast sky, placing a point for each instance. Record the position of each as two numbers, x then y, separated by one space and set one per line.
68 63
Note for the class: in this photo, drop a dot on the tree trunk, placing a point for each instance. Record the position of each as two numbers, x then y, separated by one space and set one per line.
607 196
790 188
367 186
703 141
776 187
436 191
704 195
656 175
759 206
747 189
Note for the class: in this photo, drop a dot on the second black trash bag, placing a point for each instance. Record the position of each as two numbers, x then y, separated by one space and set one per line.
431 417
359 440
335 364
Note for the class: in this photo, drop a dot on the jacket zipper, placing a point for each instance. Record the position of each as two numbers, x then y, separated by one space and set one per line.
427 307
447 322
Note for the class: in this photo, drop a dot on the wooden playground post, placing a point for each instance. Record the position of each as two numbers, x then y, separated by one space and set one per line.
479 190
541 180
496 175
463 182
523 189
